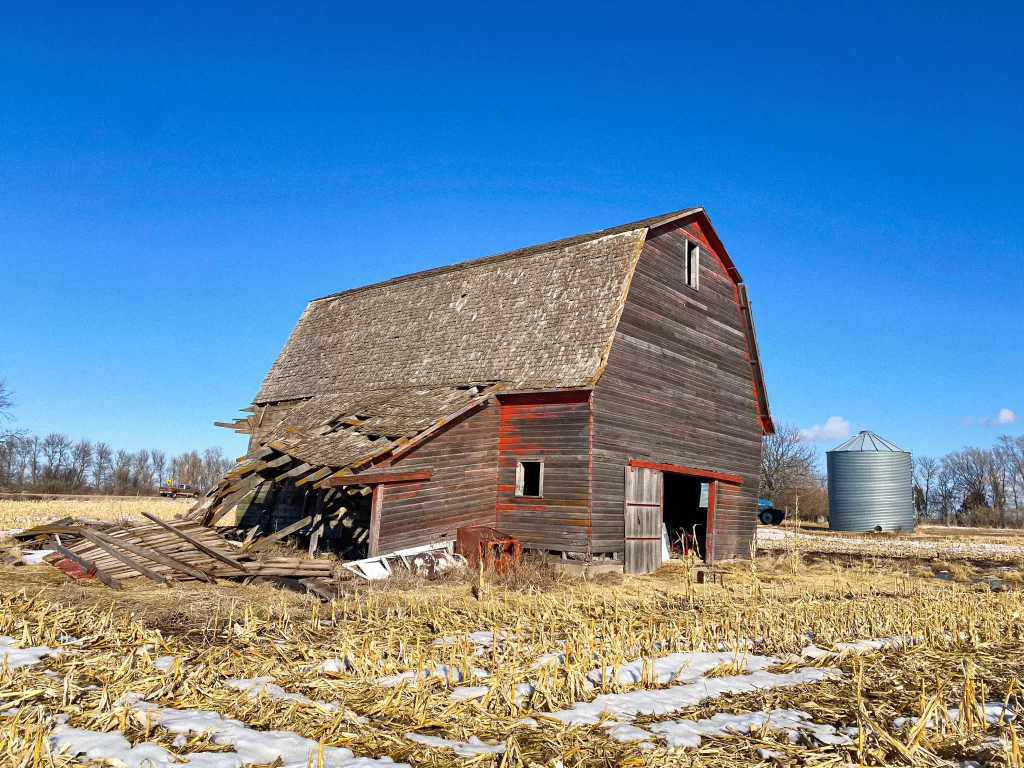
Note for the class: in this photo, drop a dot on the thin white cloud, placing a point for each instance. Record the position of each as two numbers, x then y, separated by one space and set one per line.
836 428
1004 417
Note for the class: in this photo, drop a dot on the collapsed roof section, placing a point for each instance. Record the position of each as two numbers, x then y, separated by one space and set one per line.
337 434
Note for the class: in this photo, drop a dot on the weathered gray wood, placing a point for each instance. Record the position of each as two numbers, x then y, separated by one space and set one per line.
278 535
320 587
156 557
642 510
197 544
232 500
131 562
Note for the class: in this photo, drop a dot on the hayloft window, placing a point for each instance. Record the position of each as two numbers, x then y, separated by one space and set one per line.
692 264
530 478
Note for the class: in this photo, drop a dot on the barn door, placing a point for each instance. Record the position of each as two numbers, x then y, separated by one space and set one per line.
643 520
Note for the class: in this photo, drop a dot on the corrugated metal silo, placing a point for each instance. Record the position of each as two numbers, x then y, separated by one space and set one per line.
870 485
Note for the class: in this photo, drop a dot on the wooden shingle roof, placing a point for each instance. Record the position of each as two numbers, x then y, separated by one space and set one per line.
537 317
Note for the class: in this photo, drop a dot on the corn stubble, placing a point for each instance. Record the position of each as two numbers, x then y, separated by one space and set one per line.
969 651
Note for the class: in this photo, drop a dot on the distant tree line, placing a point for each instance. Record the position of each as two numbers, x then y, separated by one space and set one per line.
969 487
973 486
57 464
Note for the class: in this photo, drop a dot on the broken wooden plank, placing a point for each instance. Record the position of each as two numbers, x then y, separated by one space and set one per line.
313 477
87 567
131 562
229 503
197 544
156 557
321 587
278 535
294 472
377 478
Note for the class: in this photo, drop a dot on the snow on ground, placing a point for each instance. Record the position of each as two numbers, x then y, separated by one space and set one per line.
164 663
679 667
861 647
833 543
994 714
662 701
12 657
446 672
688 733
481 640
470 748
250 746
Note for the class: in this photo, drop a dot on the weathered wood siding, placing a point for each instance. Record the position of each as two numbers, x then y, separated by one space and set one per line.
554 428
678 389
464 460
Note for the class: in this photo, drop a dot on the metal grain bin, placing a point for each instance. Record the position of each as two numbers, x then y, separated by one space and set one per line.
870 486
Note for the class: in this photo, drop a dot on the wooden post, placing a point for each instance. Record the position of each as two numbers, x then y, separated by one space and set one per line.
375 505
318 522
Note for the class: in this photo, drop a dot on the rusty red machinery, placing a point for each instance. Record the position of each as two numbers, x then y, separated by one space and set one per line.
497 551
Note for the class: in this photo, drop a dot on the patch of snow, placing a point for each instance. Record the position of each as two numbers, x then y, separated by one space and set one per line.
333 666
484 639
679 667
624 706
164 663
994 711
688 733
470 748
446 672
861 647
12 657
265 686
111 746
466 692
249 745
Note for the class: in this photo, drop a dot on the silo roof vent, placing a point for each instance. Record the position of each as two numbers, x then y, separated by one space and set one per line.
868 441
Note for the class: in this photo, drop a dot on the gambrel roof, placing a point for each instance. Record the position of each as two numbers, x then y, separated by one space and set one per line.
537 317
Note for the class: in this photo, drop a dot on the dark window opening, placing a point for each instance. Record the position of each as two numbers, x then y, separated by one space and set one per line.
530 478
685 514
692 265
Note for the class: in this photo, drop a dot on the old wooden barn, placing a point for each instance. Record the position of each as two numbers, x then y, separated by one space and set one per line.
576 394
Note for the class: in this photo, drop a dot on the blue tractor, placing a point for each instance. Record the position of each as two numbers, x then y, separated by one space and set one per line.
768 514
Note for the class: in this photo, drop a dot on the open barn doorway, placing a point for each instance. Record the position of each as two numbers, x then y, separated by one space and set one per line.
685 513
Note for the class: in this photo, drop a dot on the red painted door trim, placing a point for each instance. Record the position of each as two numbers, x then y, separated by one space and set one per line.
691 471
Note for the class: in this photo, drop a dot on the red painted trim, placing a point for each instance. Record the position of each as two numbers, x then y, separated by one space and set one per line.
681 470
554 397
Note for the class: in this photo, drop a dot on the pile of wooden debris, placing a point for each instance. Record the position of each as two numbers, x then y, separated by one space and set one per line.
163 551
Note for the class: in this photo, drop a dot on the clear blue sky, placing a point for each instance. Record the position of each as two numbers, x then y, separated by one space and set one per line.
176 182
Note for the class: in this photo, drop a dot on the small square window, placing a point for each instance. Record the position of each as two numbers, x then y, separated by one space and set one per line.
530 478
692 265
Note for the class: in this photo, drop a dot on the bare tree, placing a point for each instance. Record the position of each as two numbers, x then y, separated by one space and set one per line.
926 470
788 464
159 461
102 466
122 472
141 473
1009 453
6 402
81 462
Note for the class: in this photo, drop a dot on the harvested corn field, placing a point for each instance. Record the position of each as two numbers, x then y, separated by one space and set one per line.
785 663
16 514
